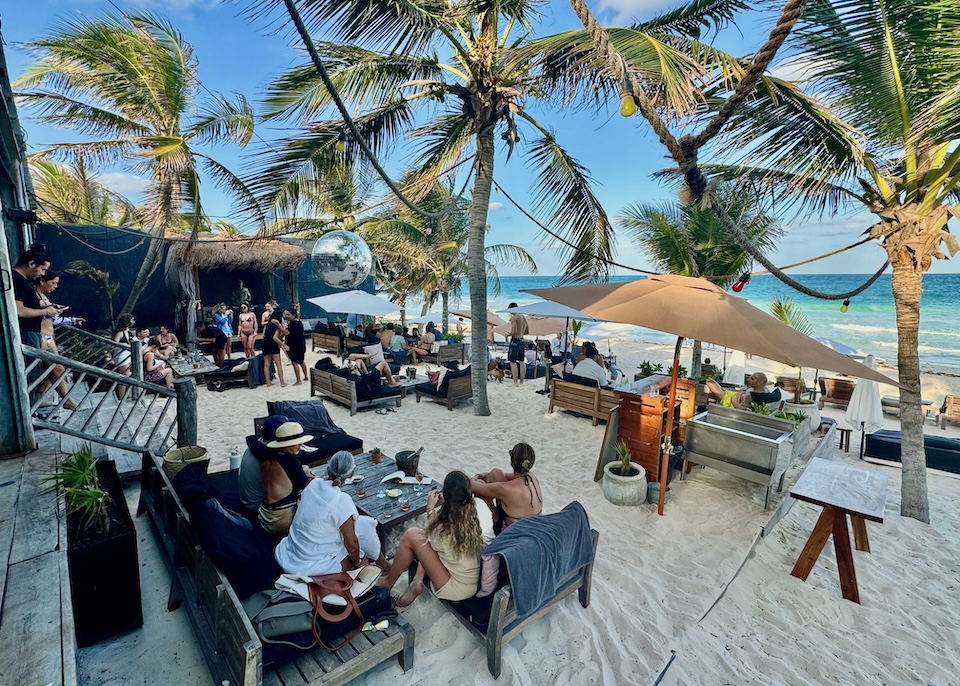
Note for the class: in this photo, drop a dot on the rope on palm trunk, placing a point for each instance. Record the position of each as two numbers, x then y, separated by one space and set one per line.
684 151
348 120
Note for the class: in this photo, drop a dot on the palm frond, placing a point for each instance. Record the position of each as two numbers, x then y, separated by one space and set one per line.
223 121
788 312
693 18
510 256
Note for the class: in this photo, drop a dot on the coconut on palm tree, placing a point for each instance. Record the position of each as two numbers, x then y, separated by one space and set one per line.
690 240
129 85
386 63
873 127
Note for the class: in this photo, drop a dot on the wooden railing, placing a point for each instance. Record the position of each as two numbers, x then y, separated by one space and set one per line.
105 407
95 350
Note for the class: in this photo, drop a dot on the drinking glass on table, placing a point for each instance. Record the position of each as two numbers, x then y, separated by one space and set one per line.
404 502
361 490
418 489
388 511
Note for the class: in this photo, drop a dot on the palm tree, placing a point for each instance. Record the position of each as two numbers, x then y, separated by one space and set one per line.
384 59
690 240
129 85
73 195
874 127
434 259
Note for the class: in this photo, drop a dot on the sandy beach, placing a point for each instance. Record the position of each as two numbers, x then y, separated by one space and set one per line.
657 579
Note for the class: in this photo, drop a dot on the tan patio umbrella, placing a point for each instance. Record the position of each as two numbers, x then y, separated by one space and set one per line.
536 326
696 308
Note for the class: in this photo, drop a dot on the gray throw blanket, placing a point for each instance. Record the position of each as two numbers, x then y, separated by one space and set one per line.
310 414
541 551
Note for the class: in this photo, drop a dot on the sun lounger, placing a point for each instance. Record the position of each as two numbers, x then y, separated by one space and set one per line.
836 391
950 412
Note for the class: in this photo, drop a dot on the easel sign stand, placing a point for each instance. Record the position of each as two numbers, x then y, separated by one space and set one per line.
667 440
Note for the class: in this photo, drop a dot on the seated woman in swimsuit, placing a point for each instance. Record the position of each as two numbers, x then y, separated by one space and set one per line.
511 496
283 477
424 344
247 326
448 550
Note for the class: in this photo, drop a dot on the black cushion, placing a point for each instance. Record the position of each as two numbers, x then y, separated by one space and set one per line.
428 388
941 453
581 380
452 374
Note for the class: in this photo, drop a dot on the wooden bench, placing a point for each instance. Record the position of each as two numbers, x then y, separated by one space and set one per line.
836 391
325 341
344 391
503 625
451 352
593 402
950 412
457 390
232 648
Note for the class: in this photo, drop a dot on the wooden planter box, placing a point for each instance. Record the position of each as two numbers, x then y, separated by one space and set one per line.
105 572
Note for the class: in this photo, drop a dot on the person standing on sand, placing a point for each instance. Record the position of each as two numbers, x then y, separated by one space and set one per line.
517 350
247 328
295 343
270 347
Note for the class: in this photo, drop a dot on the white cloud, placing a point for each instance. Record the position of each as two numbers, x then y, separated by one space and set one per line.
495 206
797 70
125 184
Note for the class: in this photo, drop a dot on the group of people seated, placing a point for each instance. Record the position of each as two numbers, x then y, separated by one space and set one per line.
756 392
320 530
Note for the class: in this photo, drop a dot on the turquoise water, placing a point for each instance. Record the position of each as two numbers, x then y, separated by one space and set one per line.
869 325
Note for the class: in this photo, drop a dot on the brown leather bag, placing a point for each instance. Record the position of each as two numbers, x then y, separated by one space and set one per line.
339 584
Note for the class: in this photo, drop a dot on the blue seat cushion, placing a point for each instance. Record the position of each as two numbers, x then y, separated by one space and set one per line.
941 453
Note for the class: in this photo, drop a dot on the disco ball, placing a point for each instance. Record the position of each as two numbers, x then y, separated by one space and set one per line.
342 259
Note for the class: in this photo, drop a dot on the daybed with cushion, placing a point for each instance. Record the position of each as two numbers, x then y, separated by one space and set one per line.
453 386
582 395
346 391
328 438
530 567
212 576
942 453
836 391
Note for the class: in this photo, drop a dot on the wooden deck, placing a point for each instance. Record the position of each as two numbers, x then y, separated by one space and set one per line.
37 644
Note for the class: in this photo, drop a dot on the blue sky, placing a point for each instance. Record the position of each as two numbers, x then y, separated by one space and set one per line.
238 54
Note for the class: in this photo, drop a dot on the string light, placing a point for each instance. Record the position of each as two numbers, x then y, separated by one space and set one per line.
341 144
845 306
628 106
741 282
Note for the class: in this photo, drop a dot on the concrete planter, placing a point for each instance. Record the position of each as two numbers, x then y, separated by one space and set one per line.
809 408
624 490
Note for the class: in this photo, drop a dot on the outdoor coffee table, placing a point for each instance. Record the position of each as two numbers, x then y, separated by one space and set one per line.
183 368
407 384
375 507
841 490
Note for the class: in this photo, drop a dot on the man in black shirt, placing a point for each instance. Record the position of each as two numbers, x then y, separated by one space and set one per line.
211 334
31 265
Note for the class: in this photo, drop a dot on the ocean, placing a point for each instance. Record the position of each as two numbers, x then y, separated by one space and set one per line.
869 325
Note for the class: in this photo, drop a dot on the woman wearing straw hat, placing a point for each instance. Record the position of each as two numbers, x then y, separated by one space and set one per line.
283 478
328 535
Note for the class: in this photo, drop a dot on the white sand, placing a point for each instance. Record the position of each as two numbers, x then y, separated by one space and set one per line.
655 577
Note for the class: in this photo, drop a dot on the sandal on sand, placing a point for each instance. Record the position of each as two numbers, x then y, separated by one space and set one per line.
385 410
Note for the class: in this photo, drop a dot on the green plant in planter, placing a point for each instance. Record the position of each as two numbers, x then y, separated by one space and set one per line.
759 408
648 368
456 337
76 477
623 454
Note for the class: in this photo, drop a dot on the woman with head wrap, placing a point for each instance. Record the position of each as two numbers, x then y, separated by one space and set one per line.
511 496
448 550
328 534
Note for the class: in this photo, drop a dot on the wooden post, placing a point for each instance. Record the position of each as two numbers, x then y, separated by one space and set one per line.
186 389
136 359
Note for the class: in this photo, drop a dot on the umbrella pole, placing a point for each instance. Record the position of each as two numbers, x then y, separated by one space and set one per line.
667 441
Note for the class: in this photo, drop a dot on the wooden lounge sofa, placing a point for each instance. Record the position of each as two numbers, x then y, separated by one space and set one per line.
325 341
454 387
502 624
233 651
790 388
344 391
950 411
592 401
450 352
836 391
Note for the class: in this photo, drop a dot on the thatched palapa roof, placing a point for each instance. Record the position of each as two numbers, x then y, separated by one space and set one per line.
234 254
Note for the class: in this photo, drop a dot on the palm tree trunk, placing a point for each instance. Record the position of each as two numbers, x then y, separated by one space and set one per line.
445 317
907 288
477 267
149 265
695 361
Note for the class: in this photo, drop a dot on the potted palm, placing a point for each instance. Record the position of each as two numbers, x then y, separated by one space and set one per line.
101 548
624 483
376 456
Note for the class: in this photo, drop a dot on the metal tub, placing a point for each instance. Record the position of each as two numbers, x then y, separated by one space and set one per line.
745 444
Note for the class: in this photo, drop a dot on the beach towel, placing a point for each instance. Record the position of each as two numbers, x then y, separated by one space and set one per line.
541 551
311 415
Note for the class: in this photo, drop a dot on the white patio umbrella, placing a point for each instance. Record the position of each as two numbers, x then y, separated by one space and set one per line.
355 302
736 368
864 409
429 317
548 308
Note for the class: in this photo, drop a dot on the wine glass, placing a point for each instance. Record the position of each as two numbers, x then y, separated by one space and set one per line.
418 489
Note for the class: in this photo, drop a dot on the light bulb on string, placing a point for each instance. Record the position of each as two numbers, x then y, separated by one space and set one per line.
845 306
628 106
341 143
741 282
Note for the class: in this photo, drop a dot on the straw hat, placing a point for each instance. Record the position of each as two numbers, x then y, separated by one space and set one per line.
290 433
